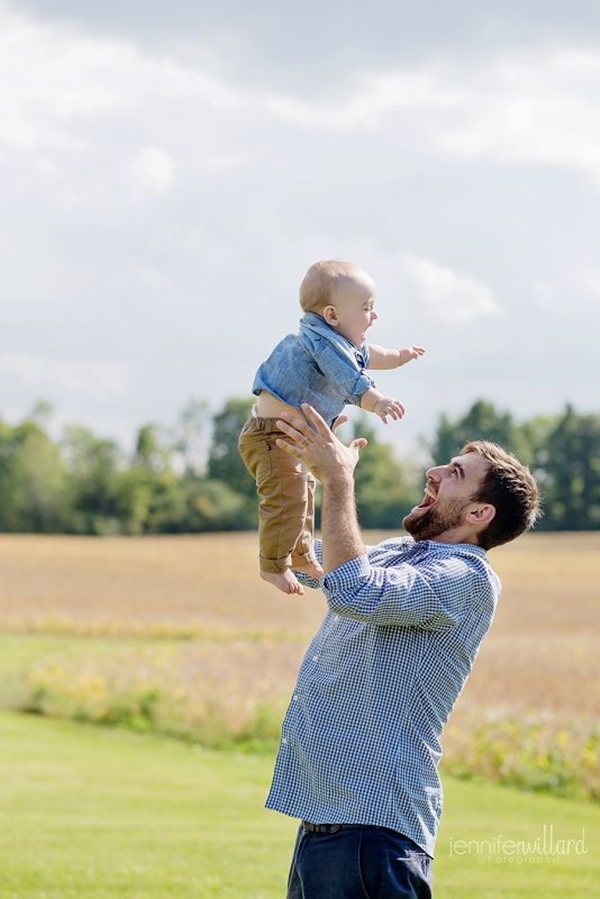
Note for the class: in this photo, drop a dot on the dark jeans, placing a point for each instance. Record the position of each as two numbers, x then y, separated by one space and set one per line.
358 862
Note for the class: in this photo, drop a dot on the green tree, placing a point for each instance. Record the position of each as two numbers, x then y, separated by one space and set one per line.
152 453
135 493
481 422
385 488
93 465
87 484
224 462
191 437
214 506
32 480
534 436
572 468
151 495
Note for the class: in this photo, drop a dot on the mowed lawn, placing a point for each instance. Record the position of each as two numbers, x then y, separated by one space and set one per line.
94 813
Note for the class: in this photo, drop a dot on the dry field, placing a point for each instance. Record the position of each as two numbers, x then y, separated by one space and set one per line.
543 649
179 635
542 652
194 586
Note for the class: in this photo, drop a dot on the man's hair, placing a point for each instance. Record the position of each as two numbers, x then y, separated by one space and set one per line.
319 283
509 486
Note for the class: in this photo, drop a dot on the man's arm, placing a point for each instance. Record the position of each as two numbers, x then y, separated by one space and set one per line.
402 595
333 463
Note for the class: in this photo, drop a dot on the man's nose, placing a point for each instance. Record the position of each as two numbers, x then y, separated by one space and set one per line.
435 473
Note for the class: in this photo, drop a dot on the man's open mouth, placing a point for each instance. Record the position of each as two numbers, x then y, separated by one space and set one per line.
427 501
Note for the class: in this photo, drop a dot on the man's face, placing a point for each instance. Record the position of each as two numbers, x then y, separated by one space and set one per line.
449 493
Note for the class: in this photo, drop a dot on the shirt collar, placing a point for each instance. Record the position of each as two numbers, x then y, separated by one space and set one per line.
467 548
312 321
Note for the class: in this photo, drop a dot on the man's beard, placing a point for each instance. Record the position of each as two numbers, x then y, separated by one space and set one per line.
435 521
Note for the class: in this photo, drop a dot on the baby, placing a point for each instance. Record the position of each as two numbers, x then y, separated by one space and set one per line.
324 365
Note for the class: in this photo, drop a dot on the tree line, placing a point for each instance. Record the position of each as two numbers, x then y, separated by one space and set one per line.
188 478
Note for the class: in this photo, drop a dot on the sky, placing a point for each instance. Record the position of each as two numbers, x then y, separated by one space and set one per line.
169 170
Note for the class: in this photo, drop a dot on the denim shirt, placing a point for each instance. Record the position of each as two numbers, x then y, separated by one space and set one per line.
316 366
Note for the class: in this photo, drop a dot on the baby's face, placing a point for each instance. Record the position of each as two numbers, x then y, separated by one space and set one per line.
354 302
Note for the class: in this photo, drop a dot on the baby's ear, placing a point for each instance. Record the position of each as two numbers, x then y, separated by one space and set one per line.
330 315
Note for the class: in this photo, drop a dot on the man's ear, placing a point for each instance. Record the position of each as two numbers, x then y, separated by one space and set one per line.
330 315
482 513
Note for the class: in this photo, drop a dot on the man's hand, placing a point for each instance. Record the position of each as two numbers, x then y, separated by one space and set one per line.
314 443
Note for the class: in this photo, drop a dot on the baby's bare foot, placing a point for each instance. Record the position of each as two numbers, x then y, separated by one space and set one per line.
310 567
286 581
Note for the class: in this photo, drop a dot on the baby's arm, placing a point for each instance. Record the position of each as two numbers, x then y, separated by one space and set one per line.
374 401
381 358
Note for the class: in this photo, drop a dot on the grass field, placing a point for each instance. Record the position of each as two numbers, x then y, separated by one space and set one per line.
90 813
179 635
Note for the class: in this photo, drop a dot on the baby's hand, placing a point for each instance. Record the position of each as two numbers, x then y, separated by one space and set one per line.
408 353
389 406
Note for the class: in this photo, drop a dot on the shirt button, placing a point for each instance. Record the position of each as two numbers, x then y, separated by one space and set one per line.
315 658
295 697
284 740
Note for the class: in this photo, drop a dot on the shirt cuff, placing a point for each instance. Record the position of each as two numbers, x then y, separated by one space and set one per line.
360 388
345 576
306 579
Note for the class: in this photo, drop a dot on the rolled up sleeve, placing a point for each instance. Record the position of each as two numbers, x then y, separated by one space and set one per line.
435 597
306 579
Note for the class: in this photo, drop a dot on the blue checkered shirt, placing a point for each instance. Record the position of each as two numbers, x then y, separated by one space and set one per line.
360 740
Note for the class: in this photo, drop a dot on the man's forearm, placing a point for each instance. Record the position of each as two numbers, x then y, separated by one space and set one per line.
342 539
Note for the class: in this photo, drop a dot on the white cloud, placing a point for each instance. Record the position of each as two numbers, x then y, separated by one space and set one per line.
577 289
252 185
590 282
61 77
153 170
55 73
151 276
453 296
379 95
100 381
534 106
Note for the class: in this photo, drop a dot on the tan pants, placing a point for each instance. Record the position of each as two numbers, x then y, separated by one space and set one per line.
287 497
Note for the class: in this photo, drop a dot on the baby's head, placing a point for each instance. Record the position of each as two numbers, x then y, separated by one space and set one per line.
342 294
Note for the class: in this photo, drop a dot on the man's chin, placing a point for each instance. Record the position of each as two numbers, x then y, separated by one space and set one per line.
428 523
423 523
415 522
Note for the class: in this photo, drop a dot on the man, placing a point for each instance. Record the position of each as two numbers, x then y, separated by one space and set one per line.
360 741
